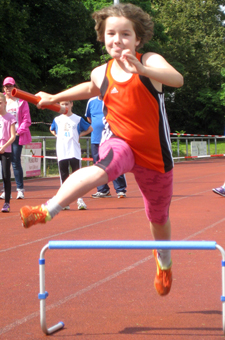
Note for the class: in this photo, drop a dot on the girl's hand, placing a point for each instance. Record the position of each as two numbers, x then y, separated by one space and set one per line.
45 99
131 63
2 149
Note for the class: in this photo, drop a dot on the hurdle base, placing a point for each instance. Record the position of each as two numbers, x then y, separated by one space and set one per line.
52 329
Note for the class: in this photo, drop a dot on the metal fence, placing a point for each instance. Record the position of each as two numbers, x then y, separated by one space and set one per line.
181 146
50 157
188 139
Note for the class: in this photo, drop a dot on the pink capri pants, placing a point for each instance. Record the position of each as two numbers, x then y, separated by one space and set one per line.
117 158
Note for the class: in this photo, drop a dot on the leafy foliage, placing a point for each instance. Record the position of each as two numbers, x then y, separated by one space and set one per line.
196 42
51 45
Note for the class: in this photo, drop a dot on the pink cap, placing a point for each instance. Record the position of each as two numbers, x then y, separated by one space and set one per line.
9 80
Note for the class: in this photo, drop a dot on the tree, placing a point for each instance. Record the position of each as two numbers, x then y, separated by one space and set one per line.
222 92
195 42
63 44
46 45
15 53
51 45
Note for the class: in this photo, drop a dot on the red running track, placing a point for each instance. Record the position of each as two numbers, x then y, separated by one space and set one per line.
109 294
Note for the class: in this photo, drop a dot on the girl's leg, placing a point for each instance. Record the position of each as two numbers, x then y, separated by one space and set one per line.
161 231
6 162
16 163
79 183
75 164
116 158
63 170
94 151
75 186
156 189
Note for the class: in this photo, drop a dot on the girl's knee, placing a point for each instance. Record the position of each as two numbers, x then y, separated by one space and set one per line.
160 223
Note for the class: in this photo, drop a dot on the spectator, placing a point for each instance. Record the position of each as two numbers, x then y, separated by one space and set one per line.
68 129
220 190
19 108
7 136
94 114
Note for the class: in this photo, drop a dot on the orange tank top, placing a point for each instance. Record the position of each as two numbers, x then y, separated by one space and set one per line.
135 111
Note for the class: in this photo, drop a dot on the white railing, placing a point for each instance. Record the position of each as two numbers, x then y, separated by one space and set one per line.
176 141
190 138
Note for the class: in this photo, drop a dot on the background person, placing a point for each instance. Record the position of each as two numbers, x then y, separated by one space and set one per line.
94 114
7 136
19 108
68 129
220 190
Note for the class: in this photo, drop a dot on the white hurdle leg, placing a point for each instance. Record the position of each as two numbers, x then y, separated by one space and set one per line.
43 295
223 285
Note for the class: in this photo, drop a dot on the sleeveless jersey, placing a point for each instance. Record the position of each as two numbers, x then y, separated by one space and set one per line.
135 112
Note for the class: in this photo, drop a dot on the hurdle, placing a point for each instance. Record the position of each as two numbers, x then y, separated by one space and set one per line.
120 244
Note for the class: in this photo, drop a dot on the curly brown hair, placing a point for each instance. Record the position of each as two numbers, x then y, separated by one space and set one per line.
142 22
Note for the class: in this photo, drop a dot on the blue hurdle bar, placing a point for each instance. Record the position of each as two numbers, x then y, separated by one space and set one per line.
120 244
90 244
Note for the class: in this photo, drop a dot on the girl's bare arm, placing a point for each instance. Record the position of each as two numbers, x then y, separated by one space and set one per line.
11 139
154 67
79 92
158 69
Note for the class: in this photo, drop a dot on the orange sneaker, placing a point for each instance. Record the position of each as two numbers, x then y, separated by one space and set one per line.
34 215
163 279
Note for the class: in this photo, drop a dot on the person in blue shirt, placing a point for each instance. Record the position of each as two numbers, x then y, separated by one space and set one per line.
94 114
68 129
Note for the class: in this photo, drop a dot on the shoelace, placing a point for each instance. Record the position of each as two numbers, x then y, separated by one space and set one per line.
166 278
37 214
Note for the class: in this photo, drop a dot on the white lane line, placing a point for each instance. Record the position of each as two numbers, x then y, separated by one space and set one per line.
93 224
70 231
94 285
72 296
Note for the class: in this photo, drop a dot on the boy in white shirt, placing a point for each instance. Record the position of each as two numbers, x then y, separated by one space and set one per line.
68 129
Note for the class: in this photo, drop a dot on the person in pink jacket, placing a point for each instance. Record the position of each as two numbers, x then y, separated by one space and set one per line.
20 110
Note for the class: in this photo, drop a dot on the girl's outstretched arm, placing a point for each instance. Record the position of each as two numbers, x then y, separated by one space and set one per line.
78 92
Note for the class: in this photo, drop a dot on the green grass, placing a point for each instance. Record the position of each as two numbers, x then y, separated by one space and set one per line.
219 149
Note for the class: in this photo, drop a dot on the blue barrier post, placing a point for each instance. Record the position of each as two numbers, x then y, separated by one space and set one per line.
107 244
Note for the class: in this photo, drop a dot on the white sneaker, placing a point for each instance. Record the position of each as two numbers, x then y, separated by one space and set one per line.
66 208
20 195
100 194
81 205
3 196
121 194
